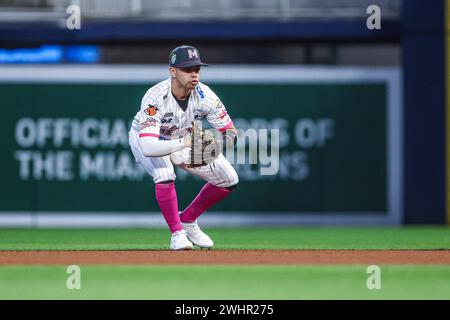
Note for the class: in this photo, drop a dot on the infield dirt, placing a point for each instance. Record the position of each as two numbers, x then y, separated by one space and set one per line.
227 257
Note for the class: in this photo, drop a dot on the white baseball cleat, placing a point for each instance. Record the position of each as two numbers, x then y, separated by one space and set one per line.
197 236
179 241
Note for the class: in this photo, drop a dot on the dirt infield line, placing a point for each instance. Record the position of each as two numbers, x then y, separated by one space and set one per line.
227 257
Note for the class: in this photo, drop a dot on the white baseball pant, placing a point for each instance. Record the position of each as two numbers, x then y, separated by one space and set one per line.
219 172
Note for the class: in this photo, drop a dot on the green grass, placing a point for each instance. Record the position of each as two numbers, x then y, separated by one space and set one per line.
225 282
237 238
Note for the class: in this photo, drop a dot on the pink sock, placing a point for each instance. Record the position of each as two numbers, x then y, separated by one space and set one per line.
168 203
208 196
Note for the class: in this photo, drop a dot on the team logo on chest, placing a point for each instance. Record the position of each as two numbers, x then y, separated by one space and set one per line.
151 110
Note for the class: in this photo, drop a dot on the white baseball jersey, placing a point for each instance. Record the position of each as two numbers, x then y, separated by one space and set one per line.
160 116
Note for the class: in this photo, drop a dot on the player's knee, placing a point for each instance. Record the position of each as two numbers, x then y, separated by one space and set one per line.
232 182
159 177
229 183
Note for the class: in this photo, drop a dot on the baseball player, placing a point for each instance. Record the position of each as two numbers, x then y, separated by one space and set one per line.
168 109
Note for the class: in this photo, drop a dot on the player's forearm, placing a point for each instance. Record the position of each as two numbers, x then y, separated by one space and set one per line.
152 147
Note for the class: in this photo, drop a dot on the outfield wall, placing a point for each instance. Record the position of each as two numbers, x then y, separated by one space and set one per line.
66 160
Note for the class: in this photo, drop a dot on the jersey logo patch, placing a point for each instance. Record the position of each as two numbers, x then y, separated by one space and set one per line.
151 110
219 104
223 114
148 123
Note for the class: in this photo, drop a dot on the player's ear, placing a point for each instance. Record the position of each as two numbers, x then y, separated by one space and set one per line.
173 72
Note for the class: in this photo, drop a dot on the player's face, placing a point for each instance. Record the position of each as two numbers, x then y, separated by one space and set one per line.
188 77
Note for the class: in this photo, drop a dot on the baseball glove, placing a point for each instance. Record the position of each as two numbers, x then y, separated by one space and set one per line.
203 149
